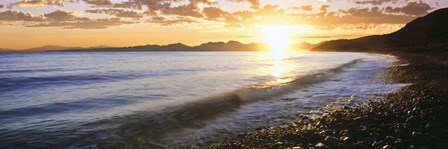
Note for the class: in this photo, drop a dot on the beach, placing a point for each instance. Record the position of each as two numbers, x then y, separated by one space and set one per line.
220 74
410 118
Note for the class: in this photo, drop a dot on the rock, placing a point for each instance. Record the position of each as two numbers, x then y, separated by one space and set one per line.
240 135
416 133
284 126
389 139
323 132
387 147
375 144
399 131
331 139
320 145
411 119
345 138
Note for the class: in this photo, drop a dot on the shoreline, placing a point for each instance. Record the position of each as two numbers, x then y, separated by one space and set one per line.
410 118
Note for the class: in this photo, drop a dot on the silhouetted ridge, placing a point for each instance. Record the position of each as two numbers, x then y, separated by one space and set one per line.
51 48
229 46
210 46
428 33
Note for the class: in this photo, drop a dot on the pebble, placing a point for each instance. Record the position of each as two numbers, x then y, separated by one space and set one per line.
389 139
375 144
387 147
345 138
320 145
331 139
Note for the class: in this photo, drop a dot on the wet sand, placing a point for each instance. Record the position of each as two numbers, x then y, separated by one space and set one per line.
414 117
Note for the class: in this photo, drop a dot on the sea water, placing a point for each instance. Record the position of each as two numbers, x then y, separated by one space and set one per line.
173 99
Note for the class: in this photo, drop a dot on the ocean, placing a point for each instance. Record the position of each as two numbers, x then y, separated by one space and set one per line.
174 99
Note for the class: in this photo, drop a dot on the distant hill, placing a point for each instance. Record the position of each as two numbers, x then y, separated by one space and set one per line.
6 50
50 48
302 46
428 33
210 46
59 48
229 46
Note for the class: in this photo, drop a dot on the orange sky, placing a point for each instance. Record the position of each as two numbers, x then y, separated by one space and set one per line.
33 23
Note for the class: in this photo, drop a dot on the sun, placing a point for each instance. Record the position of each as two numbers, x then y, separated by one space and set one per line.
278 38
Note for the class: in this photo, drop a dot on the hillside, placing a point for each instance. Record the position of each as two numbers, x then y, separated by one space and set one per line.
424 34
210 46
51 48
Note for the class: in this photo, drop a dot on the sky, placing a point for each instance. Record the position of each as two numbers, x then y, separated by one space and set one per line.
120 23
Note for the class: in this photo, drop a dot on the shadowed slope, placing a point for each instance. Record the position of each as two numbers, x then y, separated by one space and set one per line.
428 33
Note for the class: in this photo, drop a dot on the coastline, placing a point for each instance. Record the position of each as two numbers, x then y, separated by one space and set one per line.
410 118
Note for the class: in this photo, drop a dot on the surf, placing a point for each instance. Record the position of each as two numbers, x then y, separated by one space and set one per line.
175 115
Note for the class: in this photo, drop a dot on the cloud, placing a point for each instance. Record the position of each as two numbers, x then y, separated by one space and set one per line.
272 13
324 7
160 4
12 16
171 12
138 4
59 18
377 2
411 8
59 15
83 23
265 14
165 7
99 2
190 9
214 12
254 3
363 12
40 3
373 15
204 1
169 22
237 18
119 13
303 7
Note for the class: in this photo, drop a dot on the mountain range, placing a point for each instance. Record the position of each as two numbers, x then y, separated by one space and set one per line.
424 34
210 46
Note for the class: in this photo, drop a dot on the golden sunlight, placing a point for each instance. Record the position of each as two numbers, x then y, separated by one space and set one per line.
278 68
278 39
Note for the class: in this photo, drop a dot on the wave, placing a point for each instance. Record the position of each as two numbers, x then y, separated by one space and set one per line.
21 83
173 115
284 86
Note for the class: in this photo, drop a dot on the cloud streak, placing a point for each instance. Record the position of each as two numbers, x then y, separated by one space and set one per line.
172 12
59 18
13 16
120 13
411 8
169 22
